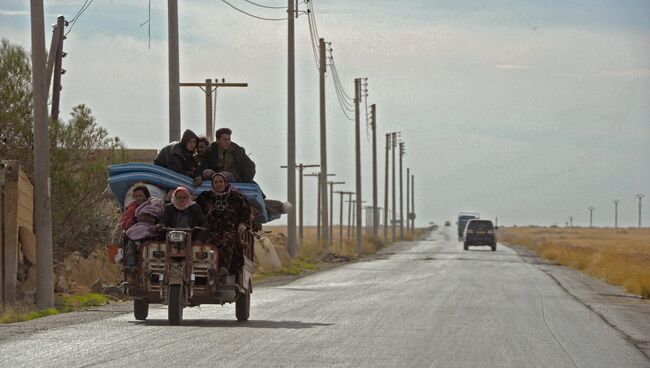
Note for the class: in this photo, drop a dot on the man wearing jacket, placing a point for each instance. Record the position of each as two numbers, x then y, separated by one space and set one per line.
225 155
178 156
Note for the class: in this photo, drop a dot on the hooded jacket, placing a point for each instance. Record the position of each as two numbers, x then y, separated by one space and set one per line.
176 157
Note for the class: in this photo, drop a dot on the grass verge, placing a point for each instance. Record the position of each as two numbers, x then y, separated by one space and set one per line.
618 256
64 304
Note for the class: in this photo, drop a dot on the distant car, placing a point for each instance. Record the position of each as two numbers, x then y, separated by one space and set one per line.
447 223
479 232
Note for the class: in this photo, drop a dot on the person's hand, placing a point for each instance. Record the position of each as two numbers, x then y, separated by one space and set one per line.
242 229
157 227
198 181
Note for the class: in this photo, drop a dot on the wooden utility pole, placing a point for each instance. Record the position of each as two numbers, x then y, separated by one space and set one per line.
56 35
291 131
408 200
386 174
331 212
58 69
350 194
318 203
401 204
357 139
394 206
412 203
208 87
375 204
174 78
42 199
323 142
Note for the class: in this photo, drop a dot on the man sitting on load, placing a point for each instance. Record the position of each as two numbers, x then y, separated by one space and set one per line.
179 156
225 155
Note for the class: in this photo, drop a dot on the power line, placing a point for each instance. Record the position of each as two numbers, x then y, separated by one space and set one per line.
252 15
265 6
83 8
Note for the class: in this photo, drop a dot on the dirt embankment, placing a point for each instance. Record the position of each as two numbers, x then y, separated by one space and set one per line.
619 256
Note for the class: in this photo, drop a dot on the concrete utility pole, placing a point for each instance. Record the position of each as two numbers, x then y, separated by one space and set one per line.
357 139
174 78
386 174
301 202
208 87
401 197
341 218
323 142
375 204
640 197
42 199
318 204
591 216
350 194
616 202
413 203
331 212
394 213
56 36
291 131
58 69
408 200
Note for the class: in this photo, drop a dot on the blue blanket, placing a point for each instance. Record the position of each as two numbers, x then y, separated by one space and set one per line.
123 176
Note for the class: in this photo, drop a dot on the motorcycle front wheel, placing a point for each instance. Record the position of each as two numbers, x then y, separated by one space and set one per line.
175 307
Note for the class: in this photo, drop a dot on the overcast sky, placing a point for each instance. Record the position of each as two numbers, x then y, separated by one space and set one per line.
527 110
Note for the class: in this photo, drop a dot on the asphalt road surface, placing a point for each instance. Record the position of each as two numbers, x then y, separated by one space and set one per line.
427 305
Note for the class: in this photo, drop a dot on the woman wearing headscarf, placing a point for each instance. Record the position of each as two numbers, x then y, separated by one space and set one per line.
146 215
183 211
140 194
229 215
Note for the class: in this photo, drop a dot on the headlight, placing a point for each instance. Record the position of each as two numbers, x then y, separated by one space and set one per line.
177 236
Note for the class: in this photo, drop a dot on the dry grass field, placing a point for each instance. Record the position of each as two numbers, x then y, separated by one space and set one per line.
618 256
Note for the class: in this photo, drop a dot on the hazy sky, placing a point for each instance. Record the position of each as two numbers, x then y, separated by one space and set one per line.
527 110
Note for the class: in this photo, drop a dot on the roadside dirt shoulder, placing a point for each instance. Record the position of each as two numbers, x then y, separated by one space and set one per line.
627 313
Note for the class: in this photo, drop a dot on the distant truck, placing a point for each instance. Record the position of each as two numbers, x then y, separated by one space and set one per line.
463 217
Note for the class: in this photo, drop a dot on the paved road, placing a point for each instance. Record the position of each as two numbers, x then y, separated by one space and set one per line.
430 305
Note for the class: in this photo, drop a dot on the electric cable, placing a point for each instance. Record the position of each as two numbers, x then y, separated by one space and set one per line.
252 15
265 6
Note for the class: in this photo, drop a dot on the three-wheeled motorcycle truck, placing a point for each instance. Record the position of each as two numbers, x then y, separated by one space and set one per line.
180 272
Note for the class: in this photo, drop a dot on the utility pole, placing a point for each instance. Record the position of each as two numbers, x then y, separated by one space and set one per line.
58 69
350 194
341 218
174 79
570 221
318 203
401 197
331 212
323 142
208 87
357 138
616 202
42 199
300 168
591 216
408 200
394 217
412 203
375 204
291 131
640 197
386 174
56 36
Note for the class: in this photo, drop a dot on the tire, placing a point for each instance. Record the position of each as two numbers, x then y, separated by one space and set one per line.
140 309
175 307
494 247
243 305
465 246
